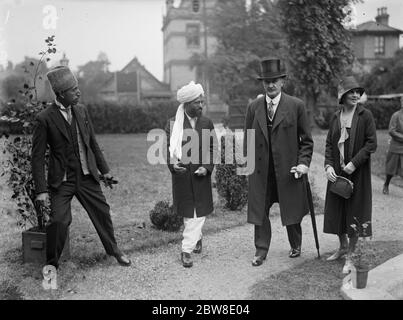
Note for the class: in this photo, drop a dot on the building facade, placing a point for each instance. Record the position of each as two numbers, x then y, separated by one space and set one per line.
187 41
135 85
374 41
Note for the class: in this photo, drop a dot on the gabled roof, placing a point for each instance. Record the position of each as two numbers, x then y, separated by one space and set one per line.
375 27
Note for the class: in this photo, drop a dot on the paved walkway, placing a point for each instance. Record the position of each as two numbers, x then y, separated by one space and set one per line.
223 270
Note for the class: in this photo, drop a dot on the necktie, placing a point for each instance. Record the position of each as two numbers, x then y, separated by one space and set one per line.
270 110
68 113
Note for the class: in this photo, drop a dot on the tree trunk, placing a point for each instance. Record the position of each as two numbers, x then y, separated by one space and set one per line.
311 106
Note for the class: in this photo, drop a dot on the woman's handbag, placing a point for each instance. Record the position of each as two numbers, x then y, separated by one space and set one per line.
342 187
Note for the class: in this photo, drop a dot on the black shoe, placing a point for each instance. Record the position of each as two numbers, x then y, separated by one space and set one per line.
258 260
294 253
186 260
385 189
123 260
199 246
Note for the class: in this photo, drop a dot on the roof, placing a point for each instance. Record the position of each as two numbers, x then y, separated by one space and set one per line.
375 27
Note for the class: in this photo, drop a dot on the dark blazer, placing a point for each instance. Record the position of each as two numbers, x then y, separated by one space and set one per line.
190 191
50 130
362 144
291 144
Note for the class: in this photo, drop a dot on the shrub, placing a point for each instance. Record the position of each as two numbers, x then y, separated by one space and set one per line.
232 187
163 217
381 110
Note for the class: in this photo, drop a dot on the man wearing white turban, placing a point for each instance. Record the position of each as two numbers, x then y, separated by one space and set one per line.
191 164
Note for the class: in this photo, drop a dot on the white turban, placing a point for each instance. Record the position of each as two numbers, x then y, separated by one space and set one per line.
185 94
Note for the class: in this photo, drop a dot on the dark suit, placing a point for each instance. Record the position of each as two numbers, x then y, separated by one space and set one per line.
51 129
279 144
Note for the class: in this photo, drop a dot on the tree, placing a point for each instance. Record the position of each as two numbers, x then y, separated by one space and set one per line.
319 46
385 77
92 76
245 33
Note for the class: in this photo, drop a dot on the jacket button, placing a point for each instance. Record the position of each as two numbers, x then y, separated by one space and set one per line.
260 158
261 144
258 171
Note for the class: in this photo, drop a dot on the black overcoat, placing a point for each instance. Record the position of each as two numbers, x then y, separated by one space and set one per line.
362 144
190 191
291 144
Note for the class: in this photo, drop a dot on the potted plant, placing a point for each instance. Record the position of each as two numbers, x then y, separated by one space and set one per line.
31 215
361 257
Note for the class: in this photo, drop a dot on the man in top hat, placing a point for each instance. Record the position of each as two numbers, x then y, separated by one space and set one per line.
283 151
192 149
74 161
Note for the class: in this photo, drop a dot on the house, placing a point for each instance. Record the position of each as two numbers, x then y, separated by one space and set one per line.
134 84
374 41
187 42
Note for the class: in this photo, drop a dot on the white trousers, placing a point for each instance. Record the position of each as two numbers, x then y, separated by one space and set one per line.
192 232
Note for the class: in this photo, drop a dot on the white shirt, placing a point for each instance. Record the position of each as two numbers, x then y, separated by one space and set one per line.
62 109
275 102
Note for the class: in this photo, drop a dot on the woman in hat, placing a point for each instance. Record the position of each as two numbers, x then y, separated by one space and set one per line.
394 157
350 141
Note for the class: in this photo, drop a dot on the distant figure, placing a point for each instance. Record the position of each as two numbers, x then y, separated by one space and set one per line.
283 151
350 141
394 157
191 168
74 161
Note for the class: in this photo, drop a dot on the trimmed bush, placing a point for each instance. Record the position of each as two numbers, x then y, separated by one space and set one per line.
163 217
381 110
230 186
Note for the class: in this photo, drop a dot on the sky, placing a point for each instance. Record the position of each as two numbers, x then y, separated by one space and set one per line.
123 29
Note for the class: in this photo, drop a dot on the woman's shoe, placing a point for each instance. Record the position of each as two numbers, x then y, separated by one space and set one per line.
348 266
337 255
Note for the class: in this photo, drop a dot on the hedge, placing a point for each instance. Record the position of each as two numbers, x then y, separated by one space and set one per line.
381 110
111 117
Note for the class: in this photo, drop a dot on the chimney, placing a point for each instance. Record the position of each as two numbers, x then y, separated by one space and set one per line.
382 17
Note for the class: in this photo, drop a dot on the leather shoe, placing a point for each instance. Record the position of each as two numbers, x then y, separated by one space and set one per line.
258 260
294 252
385 189
337 255
123 260
186 260
199 246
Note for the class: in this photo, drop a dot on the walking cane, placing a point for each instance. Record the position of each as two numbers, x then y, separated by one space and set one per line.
312 212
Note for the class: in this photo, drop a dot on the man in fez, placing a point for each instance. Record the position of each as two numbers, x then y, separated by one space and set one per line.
283 151
75 159
191 165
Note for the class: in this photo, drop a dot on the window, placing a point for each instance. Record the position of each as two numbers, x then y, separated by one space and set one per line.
380 45
193 35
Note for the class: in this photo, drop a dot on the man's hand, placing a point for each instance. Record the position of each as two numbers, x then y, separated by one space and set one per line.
108 180
349 168
299 170
331 174
179 169
107 176
201 171
44 197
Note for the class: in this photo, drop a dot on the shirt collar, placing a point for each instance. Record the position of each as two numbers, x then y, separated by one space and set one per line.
61 106
275 100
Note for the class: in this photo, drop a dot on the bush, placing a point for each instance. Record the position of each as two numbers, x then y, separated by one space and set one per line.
163 217
232 187
381 110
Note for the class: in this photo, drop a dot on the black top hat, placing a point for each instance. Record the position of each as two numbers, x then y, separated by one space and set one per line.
272 68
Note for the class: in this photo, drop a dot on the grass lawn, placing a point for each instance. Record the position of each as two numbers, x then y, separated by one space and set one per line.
325 277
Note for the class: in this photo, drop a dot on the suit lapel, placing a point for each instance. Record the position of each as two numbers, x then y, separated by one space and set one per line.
80 122
280 112
57 118
262 118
